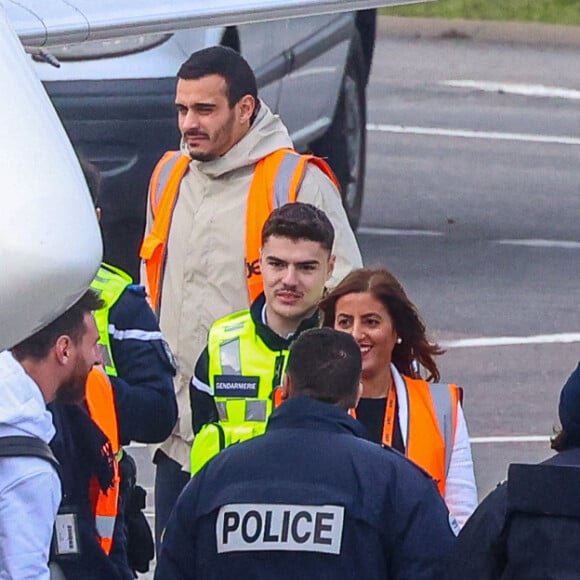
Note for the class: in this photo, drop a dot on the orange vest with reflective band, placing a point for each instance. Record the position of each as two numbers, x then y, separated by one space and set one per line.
276 181
101 405
431 426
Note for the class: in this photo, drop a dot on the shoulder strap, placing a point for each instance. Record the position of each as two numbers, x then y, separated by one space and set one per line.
21 446
172 166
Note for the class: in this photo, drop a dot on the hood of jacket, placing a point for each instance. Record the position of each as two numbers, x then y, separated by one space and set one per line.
266 134
22 407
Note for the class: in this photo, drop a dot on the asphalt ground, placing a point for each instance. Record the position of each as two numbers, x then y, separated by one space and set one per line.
480 31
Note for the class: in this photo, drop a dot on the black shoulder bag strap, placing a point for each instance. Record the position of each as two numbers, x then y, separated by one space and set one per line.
22 446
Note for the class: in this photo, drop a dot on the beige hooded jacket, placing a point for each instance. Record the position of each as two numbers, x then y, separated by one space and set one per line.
205 276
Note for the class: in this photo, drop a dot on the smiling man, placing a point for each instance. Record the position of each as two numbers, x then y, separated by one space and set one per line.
236 379
51 365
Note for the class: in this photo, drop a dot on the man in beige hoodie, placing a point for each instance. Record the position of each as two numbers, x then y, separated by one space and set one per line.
195 260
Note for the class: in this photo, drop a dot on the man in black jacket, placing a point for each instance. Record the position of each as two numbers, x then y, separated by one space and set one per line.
311 498
529 527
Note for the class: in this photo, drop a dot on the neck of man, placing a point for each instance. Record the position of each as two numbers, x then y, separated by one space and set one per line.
42 376
283 326
377 386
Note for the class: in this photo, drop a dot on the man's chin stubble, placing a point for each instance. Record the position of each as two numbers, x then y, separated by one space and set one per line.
203 157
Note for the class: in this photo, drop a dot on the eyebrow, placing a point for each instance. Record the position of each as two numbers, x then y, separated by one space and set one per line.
365 315
198 105
305 263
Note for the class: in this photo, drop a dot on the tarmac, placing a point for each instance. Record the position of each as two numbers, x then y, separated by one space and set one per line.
480 31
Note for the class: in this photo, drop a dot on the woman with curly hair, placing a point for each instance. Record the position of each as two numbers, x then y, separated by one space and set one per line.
421 418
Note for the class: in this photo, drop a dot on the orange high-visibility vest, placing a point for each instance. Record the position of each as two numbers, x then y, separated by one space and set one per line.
431 426
276 181
432 422
105 504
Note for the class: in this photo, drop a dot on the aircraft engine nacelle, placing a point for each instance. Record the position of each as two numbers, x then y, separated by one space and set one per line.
50 243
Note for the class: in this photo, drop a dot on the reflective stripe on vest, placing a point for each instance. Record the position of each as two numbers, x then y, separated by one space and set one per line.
235 350
446 412
101 406
276 181
432 422
109 283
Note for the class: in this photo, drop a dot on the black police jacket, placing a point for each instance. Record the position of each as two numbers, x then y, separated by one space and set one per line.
309 499
143 387
528 528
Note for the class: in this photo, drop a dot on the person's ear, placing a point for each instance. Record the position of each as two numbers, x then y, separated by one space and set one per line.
62 349
286 387
331 264
246 107
98 212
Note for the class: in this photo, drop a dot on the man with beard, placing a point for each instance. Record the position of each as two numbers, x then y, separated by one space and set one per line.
53 364
207 205
233 390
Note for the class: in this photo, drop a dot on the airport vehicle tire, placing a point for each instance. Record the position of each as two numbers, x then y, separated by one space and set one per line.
344 143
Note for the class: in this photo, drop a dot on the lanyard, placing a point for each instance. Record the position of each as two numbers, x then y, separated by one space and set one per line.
389 425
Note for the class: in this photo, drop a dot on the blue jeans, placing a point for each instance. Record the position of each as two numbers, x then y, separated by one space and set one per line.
170 479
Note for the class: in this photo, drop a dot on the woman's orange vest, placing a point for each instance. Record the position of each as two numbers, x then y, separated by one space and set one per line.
101 405
431 426
276 181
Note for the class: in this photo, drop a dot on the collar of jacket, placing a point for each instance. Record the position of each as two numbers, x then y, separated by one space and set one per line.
272 340
569 456
307 413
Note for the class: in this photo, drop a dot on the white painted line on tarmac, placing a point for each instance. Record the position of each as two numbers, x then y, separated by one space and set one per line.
562 338
467 134
537 243
531 243
516 89
396 232
511 439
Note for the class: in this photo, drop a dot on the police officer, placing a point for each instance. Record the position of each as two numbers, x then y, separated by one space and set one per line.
529 526
136 356
235 380
311 498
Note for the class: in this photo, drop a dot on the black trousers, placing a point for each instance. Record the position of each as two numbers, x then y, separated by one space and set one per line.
170 479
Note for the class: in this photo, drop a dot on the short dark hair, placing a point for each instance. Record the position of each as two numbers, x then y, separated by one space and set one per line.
227 63
70 323
299 221
325 364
